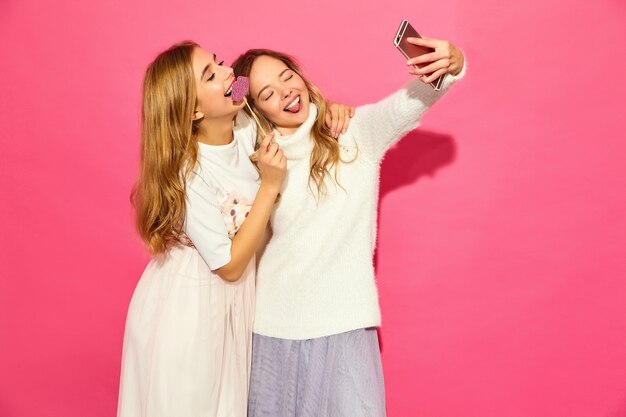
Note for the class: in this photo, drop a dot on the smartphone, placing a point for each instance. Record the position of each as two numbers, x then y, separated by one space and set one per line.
411 51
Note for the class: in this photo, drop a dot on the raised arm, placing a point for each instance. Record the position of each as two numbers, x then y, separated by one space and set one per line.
205 225
376 127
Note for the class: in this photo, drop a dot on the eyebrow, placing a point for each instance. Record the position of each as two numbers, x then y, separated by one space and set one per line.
267 86
207 67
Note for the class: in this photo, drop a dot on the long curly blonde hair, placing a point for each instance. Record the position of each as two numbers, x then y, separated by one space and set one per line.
169 148
325 155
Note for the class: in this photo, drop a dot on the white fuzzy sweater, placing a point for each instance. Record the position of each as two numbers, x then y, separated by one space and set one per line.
316 276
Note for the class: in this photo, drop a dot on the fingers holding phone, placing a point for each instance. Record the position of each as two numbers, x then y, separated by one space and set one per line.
431 58
445 59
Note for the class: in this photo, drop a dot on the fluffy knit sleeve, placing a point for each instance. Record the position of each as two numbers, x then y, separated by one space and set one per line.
376 127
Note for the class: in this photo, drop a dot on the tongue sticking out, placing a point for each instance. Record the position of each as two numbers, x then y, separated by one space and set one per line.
295 108
240 88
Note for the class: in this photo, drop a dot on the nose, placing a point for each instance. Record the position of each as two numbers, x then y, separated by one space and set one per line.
286 92
229 73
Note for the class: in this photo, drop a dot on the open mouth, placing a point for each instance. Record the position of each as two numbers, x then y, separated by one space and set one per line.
229 92
294 106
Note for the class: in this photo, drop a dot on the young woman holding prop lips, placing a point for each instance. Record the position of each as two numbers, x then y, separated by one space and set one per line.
187 345
315 349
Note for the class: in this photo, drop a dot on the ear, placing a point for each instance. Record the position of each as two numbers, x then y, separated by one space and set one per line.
197 115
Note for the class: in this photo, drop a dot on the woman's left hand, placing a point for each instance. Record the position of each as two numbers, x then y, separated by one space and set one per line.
338 118
445 59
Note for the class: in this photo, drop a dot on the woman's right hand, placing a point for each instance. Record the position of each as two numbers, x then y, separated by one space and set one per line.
272 164
445 59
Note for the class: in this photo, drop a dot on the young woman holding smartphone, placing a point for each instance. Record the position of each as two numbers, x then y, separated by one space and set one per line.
316 349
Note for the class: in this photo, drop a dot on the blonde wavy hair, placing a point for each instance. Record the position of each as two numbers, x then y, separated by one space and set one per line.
169 148
325 155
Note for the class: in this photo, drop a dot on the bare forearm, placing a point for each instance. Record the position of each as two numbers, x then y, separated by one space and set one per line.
247 239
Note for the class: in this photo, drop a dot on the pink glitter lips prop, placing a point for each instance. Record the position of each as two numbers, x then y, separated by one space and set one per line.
240 88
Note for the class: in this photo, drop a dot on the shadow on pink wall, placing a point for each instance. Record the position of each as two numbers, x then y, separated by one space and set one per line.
419 154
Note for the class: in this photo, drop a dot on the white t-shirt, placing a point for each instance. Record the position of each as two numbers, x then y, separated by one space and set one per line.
220 192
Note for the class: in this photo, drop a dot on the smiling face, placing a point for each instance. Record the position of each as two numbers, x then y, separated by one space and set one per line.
213 87
279 93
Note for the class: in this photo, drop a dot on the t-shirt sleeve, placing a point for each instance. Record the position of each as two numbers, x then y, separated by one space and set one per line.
204 224
376 127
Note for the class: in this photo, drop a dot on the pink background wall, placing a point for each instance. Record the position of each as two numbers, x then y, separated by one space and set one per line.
502 250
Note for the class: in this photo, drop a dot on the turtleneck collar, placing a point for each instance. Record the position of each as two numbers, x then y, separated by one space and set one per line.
299 144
